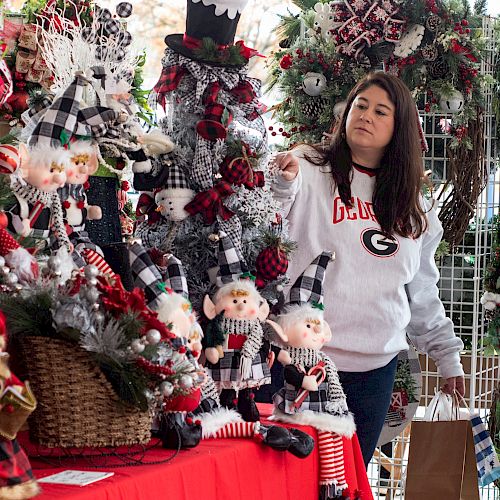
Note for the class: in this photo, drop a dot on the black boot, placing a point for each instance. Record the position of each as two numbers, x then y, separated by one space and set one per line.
302 443
330 492
228 398
298 443
178 431
277 438
247 407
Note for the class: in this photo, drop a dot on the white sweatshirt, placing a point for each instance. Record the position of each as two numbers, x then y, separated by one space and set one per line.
376 290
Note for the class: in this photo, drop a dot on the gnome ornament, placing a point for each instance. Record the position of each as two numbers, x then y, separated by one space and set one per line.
313 394
17 402
238 356
174 196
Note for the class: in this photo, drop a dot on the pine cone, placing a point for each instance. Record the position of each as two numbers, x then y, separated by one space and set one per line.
438 68
314 107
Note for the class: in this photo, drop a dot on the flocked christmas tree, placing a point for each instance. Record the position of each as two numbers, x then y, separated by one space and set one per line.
216 179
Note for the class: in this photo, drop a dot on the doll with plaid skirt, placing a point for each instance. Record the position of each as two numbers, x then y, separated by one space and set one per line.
238 354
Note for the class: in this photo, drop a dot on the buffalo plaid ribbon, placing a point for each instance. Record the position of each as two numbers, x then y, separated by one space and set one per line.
209 203
169 81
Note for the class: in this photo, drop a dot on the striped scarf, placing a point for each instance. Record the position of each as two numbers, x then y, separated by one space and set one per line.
252 329
307 357
49 200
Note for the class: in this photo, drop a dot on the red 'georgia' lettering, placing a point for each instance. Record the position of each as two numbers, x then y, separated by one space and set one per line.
359 210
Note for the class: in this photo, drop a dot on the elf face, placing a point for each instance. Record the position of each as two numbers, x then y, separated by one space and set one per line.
311 333
46 176
239 304
78 171
82 164
181 322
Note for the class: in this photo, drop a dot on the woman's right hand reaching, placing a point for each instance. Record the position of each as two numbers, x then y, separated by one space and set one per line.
288 165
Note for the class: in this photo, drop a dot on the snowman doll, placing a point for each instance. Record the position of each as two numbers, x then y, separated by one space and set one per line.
312 394
174 195
238 355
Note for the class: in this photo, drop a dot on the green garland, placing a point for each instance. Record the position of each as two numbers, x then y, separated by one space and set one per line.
457 44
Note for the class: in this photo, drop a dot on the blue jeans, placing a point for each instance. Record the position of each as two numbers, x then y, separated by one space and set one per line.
368 398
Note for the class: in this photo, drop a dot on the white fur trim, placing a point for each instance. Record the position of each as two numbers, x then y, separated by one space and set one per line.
19 491
247 285
167 304
344 426
43 155
216 420
140 167
298 312
20 261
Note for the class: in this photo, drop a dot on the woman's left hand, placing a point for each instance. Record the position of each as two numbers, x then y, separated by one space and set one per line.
454 384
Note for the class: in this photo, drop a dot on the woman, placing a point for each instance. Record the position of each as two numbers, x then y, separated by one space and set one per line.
360 197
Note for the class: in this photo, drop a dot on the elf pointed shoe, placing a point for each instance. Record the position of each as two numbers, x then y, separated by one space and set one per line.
302 444
277 438
331 492
247 407
178 431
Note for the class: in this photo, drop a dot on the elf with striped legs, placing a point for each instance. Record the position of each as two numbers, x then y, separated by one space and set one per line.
187 422
312 394
238 354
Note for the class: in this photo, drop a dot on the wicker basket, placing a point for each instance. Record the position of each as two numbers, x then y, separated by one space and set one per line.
77 406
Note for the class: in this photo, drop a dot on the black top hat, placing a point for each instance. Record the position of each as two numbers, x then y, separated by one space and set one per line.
217 21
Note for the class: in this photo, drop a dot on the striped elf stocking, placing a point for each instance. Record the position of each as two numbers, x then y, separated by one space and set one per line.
93 258
331 464
238 430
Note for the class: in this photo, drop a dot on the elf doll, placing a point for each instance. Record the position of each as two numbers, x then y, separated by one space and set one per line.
238 356
208 419
76 210
16 403
313 394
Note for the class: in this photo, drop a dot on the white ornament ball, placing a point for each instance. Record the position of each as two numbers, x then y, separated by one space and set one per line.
186 382
11 279
314 84
153 336
54 263
166 389
92 295
91 272
452 104
137 346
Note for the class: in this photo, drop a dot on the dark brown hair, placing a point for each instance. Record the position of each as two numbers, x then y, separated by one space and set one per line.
396 199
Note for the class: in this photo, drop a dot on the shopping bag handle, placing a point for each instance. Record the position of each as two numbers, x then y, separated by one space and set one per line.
460 399
454 407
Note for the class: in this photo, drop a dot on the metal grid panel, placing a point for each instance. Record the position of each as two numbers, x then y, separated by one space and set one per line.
460 287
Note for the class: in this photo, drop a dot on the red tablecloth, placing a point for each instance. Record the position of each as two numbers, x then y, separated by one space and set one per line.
222 469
